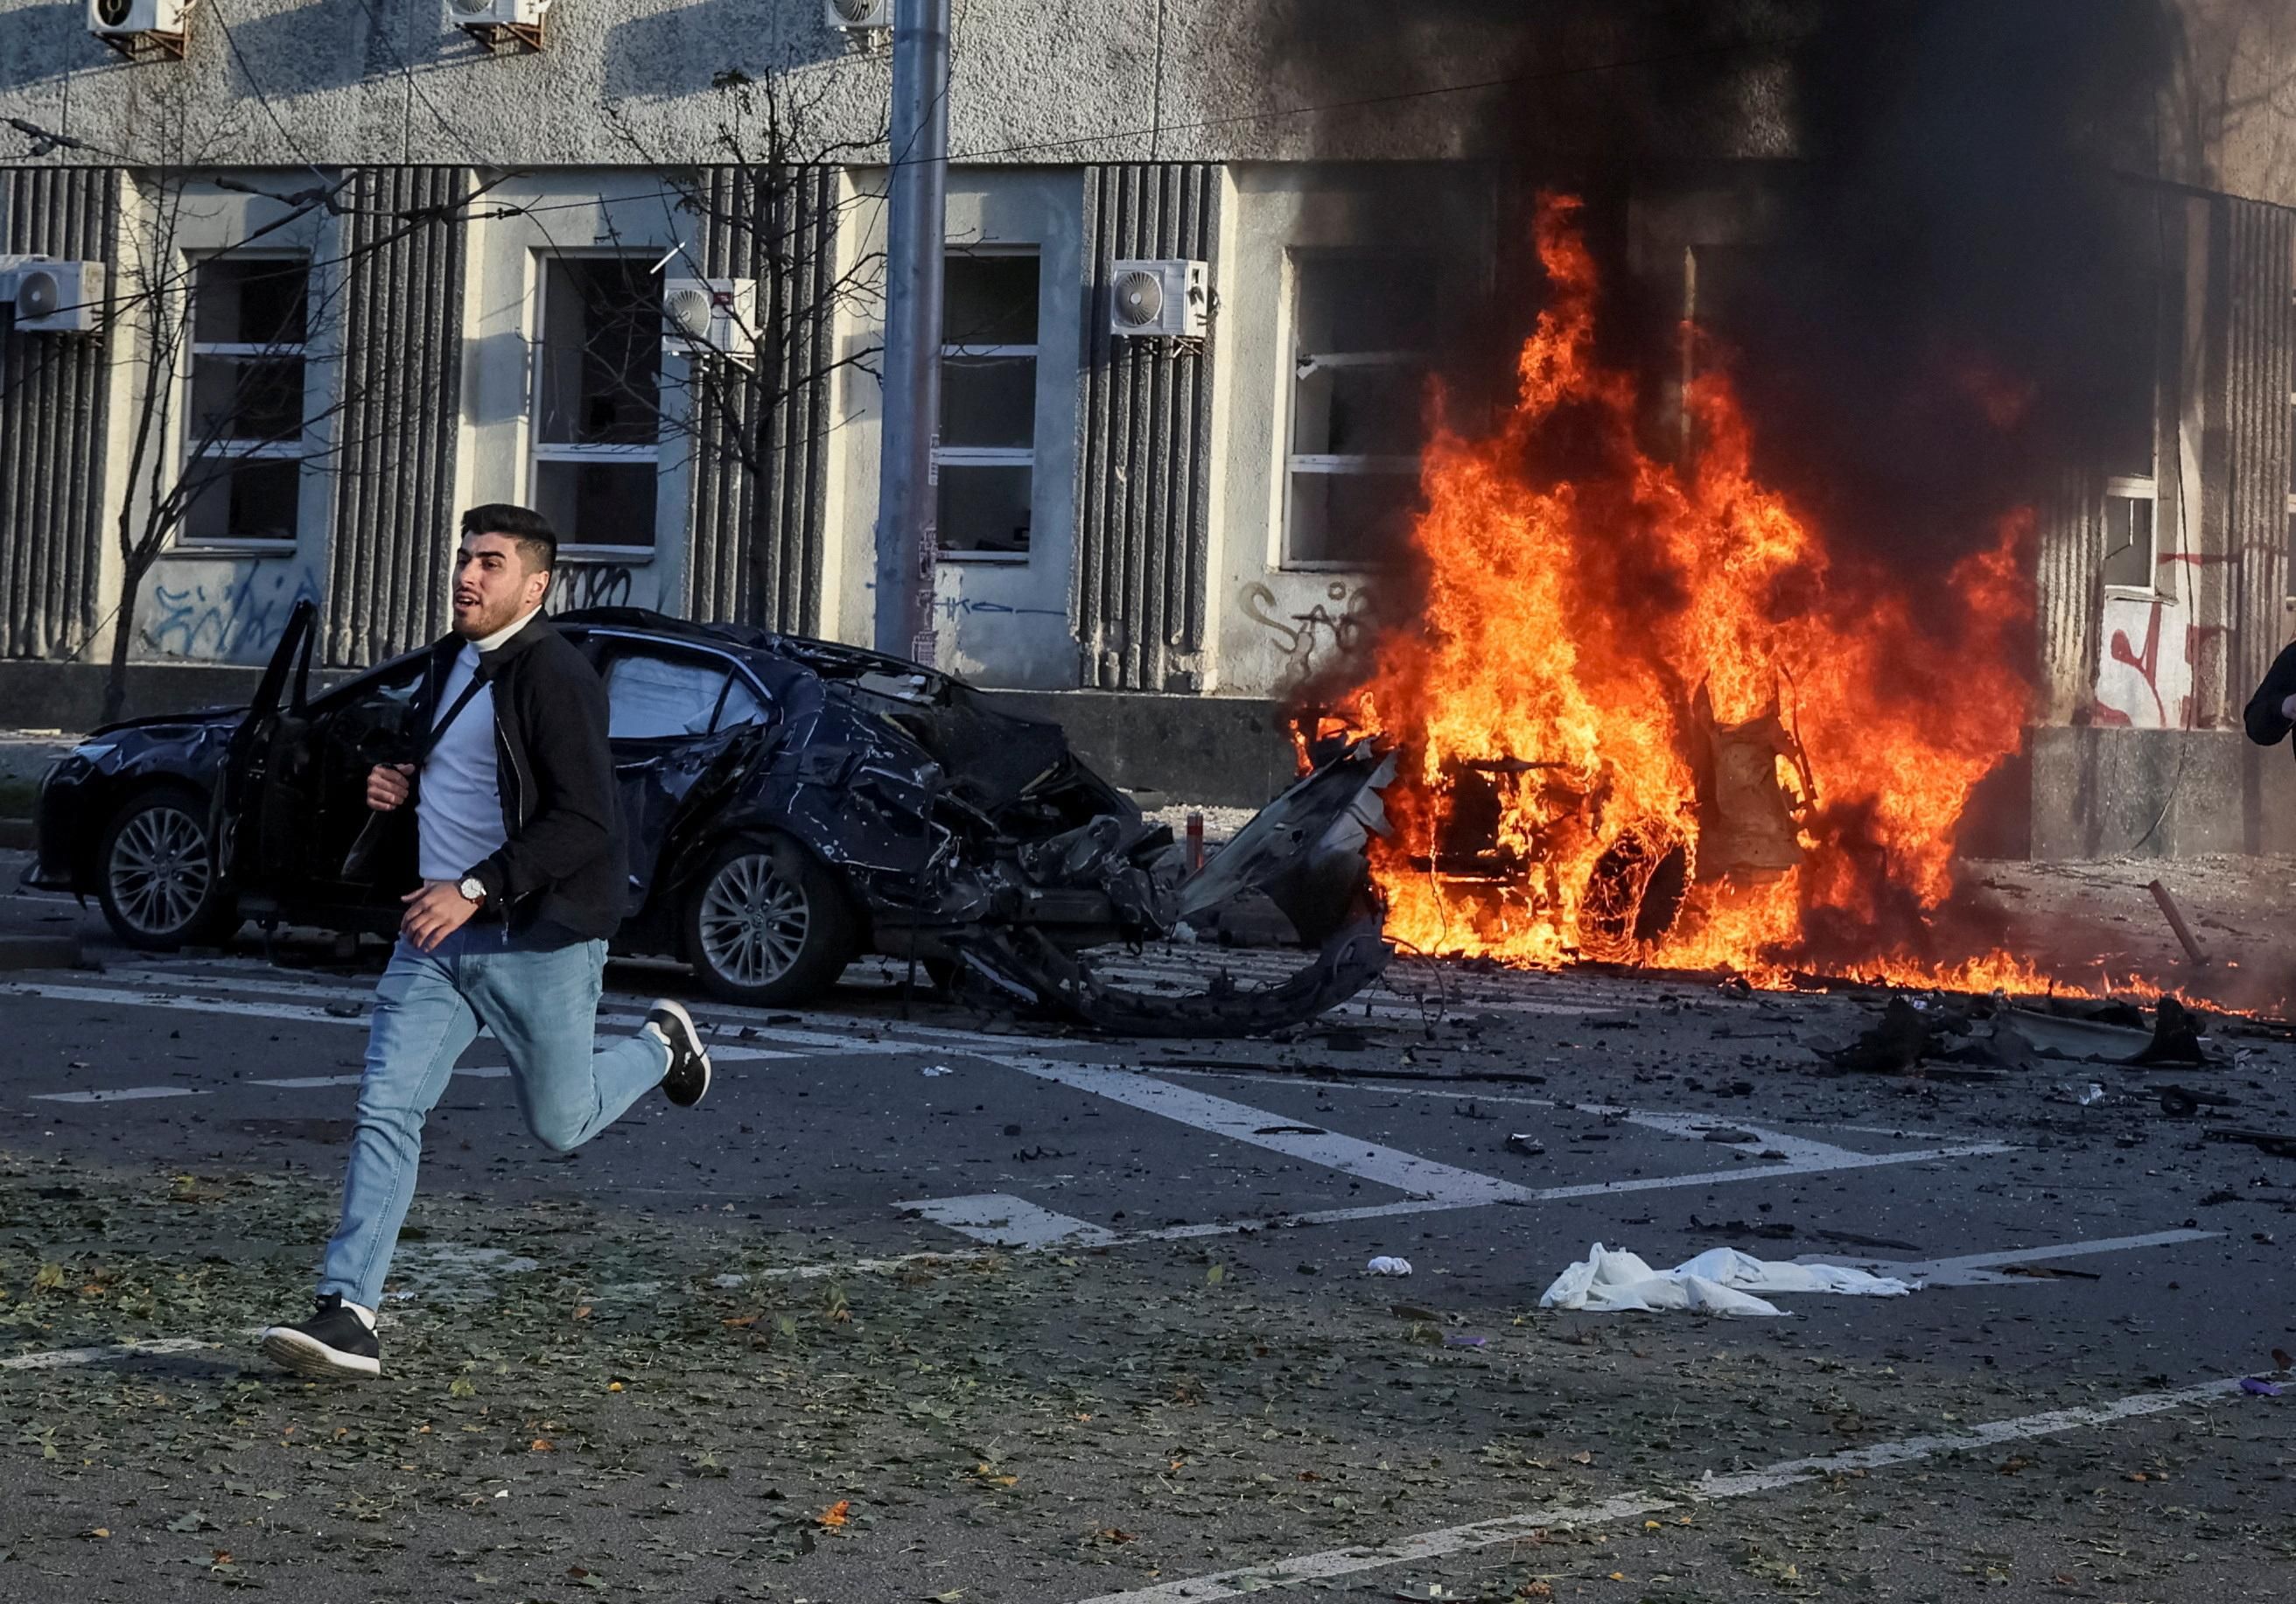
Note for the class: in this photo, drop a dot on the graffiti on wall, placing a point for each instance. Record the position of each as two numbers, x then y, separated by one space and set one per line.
2140 682
591 585
235 619
1336 627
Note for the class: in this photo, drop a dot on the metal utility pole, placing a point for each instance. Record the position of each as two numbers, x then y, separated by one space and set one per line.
908 536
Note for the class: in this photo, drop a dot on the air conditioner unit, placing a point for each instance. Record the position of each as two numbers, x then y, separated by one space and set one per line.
855 16
10 266
492 21
709 318
125 24
59 298
1160 298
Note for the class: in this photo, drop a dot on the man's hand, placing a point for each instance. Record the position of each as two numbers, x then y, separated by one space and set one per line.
434 913
389 786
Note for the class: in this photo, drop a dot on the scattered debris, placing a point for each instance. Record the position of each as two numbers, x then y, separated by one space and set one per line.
1721 1280
2049 1272
1774 1230
1386 1265
2176 922
2182 1102
2263 1389
1526 1144
2280 1144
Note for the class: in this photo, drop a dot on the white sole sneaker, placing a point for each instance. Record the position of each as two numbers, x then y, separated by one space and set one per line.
307 1355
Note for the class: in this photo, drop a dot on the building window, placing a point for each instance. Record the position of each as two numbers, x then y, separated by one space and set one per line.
986 459
1362 343
597 402
243 425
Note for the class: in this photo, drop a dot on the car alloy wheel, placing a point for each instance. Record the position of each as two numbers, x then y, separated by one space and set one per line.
159 874
753 922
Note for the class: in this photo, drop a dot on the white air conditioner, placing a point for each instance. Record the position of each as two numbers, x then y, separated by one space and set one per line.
10 266
709 317
125 22
855 16
492 20
58 298
1160 298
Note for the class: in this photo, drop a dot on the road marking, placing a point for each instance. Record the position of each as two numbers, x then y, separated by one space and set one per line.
1981 1269
123 1094
1712 1489
57 1358
807 1043
1464 1090
1003 1221
1351 1156
310 1082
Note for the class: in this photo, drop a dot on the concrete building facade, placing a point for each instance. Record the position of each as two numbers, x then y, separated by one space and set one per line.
444 260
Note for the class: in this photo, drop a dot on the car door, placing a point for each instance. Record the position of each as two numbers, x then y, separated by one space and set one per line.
673 714
268 781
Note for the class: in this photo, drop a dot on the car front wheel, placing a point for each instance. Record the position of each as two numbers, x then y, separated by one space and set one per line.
768 924
156 878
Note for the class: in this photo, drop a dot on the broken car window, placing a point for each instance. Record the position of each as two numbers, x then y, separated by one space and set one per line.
659 698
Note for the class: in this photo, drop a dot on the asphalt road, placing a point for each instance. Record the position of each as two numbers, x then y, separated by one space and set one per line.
944 1307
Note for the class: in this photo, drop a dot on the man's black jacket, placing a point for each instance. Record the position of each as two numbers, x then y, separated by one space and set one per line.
2267 724
562 859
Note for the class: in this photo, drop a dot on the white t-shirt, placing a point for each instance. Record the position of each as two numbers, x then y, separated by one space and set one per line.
458 808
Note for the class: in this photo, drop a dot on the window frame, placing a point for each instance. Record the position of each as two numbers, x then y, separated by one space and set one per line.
1297 260
540 451
2134 487
295 448
994 456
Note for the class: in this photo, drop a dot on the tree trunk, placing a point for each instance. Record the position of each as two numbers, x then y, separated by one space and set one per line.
123 634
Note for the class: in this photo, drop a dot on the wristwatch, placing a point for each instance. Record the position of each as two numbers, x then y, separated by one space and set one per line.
472 892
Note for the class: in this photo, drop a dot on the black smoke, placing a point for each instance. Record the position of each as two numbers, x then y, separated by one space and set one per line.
1951 276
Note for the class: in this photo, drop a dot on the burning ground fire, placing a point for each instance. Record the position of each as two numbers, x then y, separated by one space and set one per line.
1650 714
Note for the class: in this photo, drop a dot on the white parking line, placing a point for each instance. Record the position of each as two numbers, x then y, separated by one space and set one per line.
1351 1156
57 1358
1982 1269
1632 1506
121 1094
797 1044
1003 1221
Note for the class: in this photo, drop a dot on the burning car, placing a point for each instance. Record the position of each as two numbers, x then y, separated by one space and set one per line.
788 804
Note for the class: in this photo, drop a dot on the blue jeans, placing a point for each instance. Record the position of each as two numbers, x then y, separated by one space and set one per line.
540 999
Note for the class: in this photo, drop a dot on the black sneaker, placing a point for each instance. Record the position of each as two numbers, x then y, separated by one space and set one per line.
333 1345
689 1060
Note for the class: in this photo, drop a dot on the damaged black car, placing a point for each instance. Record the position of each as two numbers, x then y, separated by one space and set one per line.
788 805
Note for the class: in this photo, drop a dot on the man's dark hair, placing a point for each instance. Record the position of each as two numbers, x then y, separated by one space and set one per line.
537 542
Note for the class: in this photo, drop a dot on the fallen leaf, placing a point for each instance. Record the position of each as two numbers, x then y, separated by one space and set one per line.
97 1532
544 1445
1582 1458
837 1514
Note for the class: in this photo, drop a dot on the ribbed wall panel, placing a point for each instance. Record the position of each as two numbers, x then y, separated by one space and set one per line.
2260 372
760 440
395 432
53 392
1144 514
2069 580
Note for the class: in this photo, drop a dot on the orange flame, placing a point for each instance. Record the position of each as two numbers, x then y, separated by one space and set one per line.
1609 641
